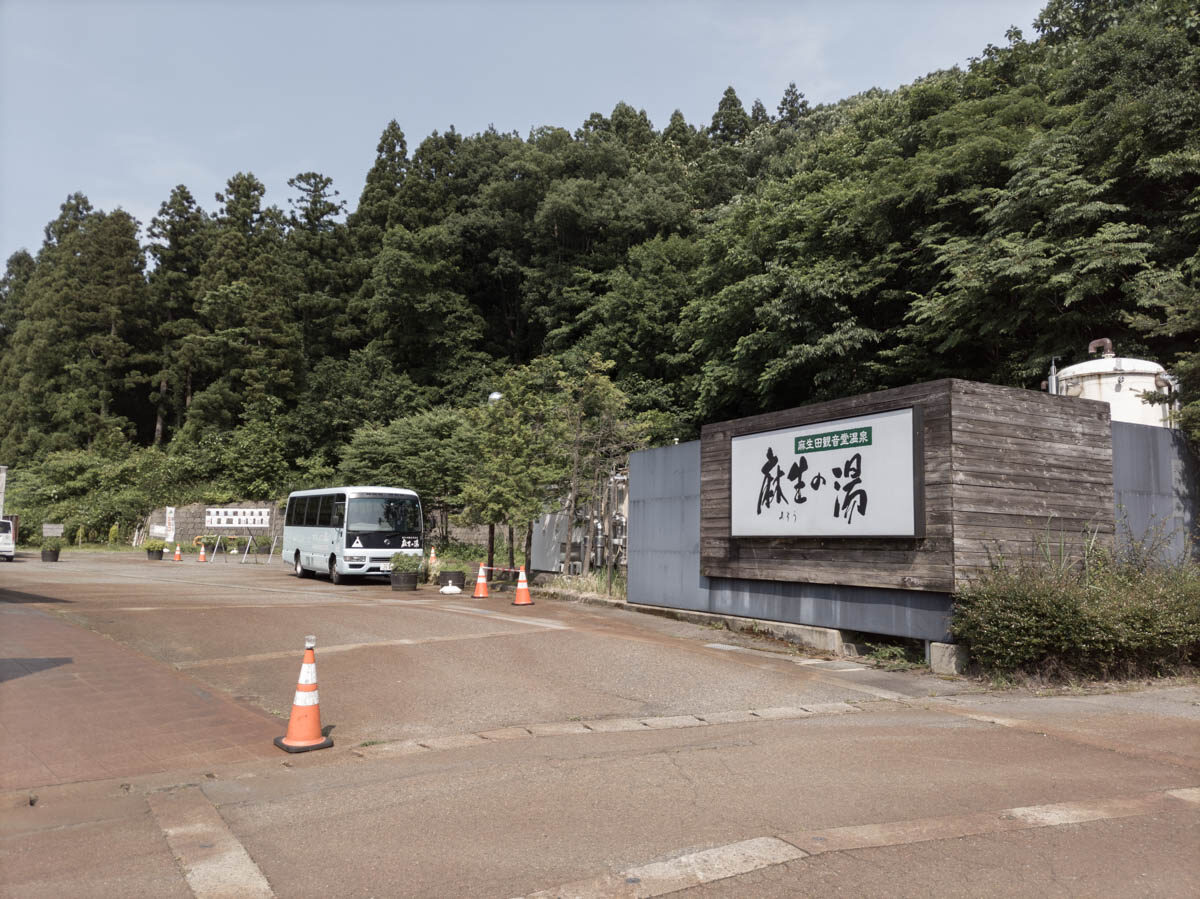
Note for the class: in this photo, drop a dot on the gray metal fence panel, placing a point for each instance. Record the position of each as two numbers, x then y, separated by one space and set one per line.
664 528
1156 488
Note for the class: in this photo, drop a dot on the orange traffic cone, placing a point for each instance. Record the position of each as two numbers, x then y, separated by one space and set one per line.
522 597
480 584
178 553
202 558
304 727
433 557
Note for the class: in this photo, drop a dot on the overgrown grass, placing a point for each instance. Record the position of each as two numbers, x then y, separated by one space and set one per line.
592 582
897 655
455 555
1092 614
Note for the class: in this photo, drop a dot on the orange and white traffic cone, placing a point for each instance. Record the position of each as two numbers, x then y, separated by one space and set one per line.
304 727
433 557
178 553
522 597
202 557
480 584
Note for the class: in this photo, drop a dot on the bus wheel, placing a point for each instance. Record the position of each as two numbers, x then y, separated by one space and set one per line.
300 570
334 577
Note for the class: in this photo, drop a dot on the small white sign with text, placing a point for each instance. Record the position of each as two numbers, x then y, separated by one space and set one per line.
237 518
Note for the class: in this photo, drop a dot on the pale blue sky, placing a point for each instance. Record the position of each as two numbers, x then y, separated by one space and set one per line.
124 100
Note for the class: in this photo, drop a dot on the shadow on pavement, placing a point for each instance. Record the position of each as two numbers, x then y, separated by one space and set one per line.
17 596
11 669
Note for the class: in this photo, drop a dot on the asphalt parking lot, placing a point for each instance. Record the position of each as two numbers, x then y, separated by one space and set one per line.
486 749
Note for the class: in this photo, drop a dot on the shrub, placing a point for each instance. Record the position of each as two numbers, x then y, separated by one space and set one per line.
407 562
1102 617
154 544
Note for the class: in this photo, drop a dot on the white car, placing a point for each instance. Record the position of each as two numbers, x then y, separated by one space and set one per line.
8 546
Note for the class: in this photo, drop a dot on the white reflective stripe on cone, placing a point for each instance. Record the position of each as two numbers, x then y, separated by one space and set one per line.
308 673
306 697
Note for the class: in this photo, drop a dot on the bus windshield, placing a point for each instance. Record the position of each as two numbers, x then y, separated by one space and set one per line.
374 519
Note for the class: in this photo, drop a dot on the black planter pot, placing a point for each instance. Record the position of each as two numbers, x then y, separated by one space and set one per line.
457 578
404 580
154 555
50 555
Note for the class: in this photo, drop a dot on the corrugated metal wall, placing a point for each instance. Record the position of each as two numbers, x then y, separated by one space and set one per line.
1156 487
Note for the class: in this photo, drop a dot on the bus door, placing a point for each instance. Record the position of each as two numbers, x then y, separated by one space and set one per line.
329 534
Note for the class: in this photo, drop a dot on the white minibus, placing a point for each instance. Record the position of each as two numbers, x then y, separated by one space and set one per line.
8 541
350 530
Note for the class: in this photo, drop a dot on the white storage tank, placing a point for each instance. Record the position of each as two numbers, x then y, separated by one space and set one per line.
1120 382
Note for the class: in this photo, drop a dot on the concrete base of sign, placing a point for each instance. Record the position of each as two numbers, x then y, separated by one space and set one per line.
826 639
945 658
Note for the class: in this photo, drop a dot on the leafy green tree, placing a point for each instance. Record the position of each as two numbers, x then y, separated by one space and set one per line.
421 320
1055 258
758 114
425 451
250 349
71 372
17 273
599 432
179 243
730 123
792 106
342 395
516 461
318 251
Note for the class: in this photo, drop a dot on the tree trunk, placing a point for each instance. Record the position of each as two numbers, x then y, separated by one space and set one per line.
528 545
159 423
512 549
570 513
491 549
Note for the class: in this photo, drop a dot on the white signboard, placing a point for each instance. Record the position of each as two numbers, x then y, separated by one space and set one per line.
159 531
853 477
170 538
52 530
237 518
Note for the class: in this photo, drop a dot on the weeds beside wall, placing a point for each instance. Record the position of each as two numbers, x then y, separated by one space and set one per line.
1100 614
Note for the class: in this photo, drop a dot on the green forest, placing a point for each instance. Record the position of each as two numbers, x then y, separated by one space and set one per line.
620 284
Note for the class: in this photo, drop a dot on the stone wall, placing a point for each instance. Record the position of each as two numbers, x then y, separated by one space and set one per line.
189 521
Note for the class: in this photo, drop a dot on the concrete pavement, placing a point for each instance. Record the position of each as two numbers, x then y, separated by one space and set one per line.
564 750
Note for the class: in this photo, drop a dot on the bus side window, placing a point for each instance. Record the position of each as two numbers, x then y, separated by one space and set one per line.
289 517
325 514
310 514
339 511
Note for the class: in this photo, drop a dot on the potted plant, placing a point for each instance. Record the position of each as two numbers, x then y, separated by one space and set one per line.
406 569
154 549
51 546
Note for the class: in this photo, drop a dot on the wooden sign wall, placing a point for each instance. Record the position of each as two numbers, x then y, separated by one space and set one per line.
1002 471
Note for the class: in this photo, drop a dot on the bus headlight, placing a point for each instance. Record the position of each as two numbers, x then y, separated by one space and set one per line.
355 558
